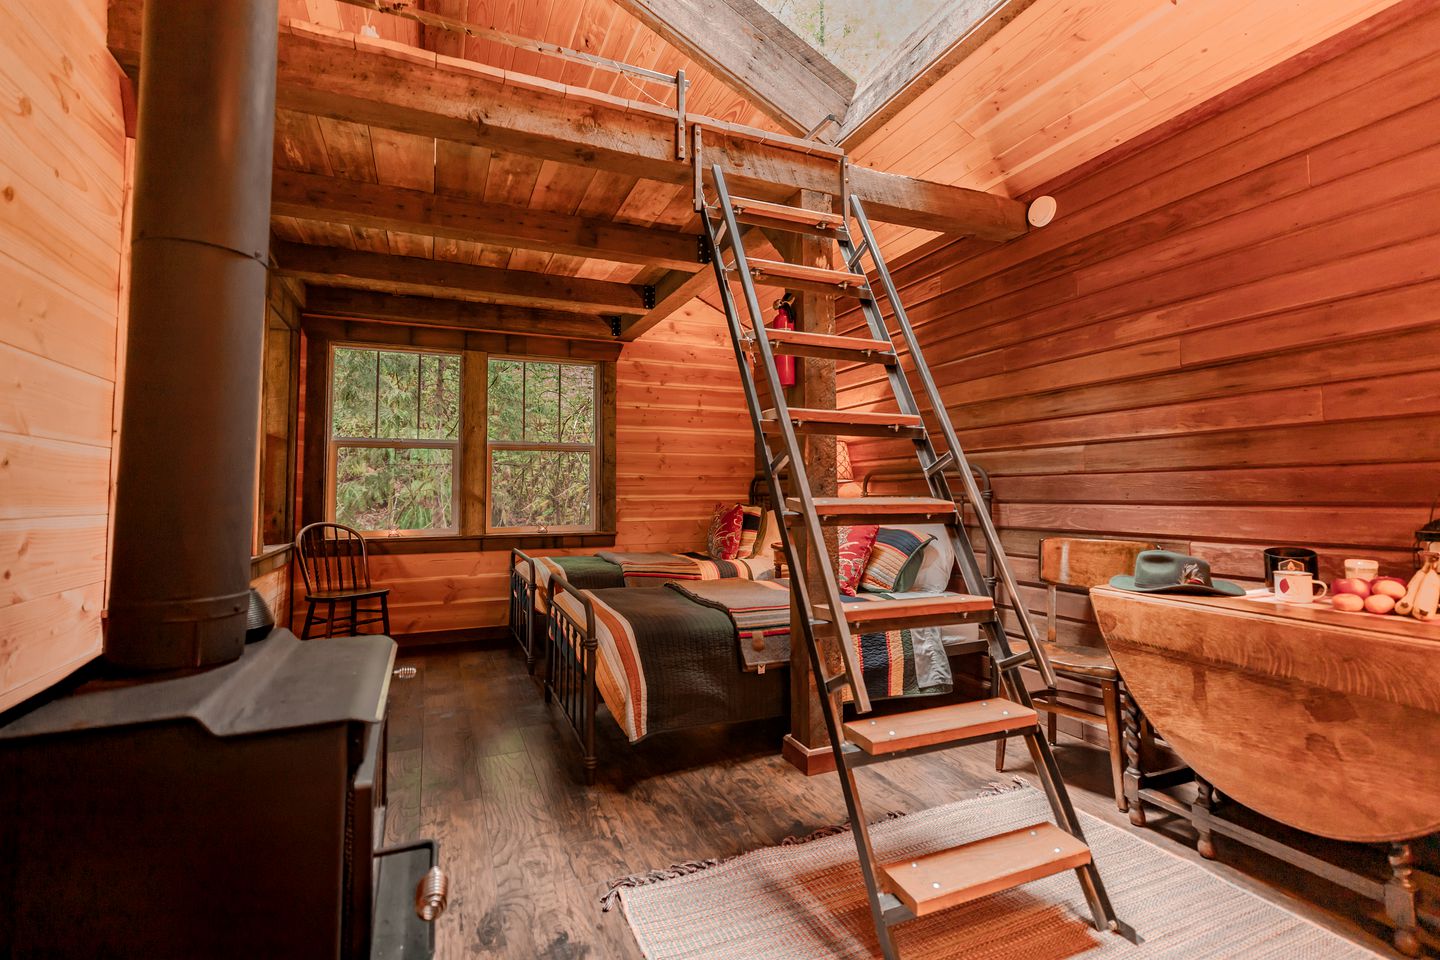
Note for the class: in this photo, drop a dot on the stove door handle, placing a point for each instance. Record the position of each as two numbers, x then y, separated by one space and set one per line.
432 894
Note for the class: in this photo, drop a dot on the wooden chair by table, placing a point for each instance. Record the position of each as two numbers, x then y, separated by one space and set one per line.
1076 562
336 569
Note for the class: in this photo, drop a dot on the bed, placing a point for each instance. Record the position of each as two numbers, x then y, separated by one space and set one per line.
530 576
706 652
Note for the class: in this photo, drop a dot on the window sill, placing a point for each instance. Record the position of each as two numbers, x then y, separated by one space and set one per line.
383 544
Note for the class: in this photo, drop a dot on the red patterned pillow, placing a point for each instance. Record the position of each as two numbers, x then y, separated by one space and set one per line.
855 544
723 543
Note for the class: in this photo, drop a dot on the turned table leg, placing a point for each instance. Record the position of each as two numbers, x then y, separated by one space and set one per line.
1400 895
1205 803
1133 775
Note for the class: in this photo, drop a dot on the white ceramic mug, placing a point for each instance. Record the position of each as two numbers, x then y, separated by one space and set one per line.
1297 586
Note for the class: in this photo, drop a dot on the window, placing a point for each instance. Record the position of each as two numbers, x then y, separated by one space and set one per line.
394 439
541 445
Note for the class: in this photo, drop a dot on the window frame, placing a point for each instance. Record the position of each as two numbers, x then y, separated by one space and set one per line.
333 444
595 448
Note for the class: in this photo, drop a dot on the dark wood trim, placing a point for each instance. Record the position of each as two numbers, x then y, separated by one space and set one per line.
811 761
316 439
455 315
606 496
459 542
474 413
486 637
271 558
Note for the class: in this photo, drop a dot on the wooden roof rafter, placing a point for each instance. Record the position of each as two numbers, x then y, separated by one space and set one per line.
422 276
384 84
756 55
380 207
423 311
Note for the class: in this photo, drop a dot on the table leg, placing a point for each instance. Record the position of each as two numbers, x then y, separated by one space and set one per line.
1400 894
1133 775
1205 803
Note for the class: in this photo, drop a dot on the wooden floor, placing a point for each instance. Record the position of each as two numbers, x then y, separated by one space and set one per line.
479 763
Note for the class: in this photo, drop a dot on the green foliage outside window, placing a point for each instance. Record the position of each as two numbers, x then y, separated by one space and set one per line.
542 429
395 426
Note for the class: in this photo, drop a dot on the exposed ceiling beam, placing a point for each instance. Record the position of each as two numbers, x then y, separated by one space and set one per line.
379 207
754 54
344 304
952 33
389 85
418 276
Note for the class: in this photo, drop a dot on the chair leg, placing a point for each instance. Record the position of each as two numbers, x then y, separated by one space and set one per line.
1052 727
1110 693
309 621
329 619
354 617
385 613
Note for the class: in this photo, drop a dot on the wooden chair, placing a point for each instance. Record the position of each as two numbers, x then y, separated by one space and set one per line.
336 569
1075 562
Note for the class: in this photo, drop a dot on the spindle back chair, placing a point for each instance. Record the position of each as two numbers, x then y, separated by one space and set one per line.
336 567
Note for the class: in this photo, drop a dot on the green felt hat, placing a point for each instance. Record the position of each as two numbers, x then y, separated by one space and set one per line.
1160 571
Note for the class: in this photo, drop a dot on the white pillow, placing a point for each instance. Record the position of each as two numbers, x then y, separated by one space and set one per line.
938 562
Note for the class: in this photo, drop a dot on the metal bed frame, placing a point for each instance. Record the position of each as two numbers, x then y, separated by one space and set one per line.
570 658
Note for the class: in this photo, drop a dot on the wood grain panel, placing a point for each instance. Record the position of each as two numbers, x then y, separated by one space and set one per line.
62 177
1229 338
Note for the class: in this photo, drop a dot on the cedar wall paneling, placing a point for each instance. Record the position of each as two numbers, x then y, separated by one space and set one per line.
1228 338
683 443
62 183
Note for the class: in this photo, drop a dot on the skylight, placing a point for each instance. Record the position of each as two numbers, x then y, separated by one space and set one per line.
855 35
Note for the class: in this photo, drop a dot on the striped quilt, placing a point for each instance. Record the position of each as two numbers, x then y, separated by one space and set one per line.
668 663
902 663
658 569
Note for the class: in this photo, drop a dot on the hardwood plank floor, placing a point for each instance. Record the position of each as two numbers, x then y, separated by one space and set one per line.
479 763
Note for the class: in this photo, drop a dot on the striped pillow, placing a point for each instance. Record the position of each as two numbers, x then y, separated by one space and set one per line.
894 560
855 545
723 542
751 519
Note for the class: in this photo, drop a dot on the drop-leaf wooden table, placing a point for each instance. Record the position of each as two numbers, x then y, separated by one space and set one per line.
1323 721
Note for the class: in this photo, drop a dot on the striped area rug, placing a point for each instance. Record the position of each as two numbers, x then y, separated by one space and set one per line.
806 902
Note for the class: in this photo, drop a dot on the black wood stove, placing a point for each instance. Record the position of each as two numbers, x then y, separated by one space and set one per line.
232 812
191 796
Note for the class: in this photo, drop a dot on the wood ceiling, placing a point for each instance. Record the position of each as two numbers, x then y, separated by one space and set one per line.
385 207
1066 80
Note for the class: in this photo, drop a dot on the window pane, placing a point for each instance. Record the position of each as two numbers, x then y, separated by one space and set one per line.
439 396
540 488
353 393
389 489
504 399
542 402
577 404
399 402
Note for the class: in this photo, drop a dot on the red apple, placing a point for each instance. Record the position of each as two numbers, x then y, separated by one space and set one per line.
1360 588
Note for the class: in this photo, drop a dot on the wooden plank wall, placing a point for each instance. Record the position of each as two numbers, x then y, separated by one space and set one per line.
1228 338
62 180
683 442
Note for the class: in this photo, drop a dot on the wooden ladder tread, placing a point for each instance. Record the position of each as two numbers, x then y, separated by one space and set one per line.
859 614
748 209
817 420
948 724
950 877
828 345
800 271
878 507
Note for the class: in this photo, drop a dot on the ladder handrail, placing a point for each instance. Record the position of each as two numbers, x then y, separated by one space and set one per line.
853 668
952 441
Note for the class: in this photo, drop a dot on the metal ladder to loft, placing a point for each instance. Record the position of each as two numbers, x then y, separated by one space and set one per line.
897 891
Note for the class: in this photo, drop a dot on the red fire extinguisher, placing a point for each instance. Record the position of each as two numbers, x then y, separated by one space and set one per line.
784 319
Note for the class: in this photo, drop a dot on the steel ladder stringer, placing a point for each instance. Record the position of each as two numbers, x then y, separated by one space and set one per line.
722 231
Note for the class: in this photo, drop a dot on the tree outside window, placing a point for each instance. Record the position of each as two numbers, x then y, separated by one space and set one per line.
394 439
542 451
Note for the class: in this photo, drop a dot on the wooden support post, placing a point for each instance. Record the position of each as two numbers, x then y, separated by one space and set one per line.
807 745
